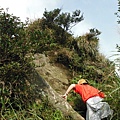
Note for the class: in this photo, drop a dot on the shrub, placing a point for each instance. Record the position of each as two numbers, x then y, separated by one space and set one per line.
14 65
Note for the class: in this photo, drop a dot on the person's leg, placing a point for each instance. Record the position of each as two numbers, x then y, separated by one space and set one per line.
91 114
106 112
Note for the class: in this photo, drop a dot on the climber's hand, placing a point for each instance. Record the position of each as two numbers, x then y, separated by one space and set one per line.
64 96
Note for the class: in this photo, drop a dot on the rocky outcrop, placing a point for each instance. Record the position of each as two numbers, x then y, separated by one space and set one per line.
43 89
51 85
56 75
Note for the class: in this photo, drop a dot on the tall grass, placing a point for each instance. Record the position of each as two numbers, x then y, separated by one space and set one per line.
42 111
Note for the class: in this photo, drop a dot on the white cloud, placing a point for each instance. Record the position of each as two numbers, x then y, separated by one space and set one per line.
17 8
82 28
28 8
35 9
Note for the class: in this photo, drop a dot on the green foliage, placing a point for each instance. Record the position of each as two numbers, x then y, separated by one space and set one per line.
80 52
14 65
42 40
50 31
13 41
111 88
64 56
87 45
118 47
118 12
117 60
34 112
64 20
61 23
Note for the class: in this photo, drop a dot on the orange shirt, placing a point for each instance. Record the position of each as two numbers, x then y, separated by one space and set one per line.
86 91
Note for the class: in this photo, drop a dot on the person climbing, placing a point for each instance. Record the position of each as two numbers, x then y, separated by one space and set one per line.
96 108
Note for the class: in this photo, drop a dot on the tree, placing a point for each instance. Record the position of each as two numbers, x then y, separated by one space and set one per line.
117 46
14 65
118 16
13 41
61 23
64 20
117 13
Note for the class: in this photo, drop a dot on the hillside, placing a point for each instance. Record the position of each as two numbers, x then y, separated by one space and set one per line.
60 59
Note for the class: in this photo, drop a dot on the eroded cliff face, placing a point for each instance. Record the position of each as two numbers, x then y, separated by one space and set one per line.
52 81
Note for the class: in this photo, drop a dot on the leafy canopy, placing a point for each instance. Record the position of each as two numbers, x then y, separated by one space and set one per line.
64 20
14 66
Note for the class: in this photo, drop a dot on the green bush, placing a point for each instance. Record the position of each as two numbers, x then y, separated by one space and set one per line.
41 111
14 62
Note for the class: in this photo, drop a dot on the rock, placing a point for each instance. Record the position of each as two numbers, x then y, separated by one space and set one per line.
43 89
57 76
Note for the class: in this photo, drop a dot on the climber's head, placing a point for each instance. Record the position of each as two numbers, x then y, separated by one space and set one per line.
82 81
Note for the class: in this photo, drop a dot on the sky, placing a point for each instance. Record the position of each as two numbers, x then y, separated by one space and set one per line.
99 14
